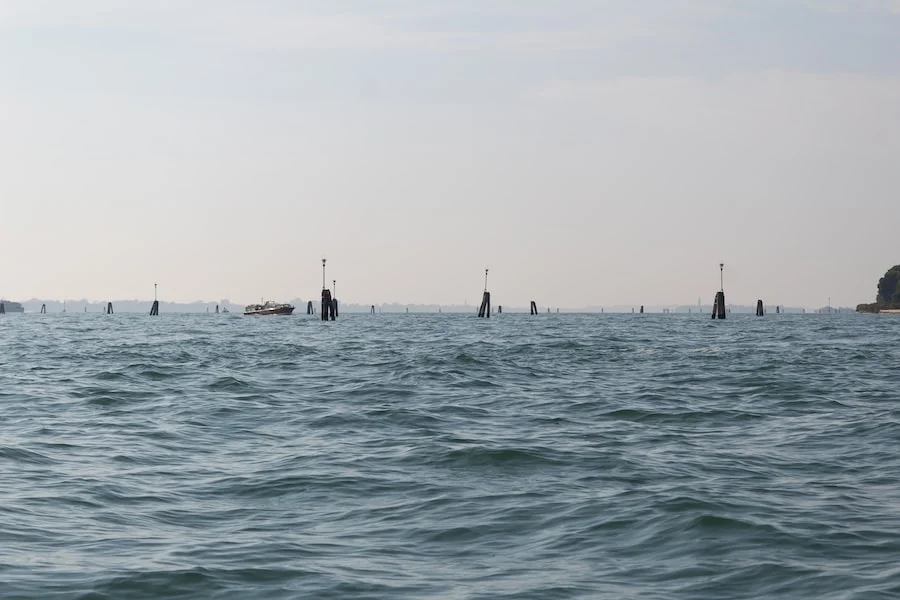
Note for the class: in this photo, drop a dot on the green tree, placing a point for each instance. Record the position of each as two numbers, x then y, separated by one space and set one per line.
888 291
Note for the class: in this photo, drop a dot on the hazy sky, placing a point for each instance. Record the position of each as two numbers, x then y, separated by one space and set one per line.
589 152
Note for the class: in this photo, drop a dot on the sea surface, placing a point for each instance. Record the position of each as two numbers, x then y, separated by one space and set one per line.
443 456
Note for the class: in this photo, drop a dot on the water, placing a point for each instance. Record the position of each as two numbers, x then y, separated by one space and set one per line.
439 456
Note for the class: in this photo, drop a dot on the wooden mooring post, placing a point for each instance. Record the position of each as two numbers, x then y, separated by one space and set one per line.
373 309
719 304
154 310
760 309
334 301
2 308
534 307
484 312
109 308
310 310
327 305
43 309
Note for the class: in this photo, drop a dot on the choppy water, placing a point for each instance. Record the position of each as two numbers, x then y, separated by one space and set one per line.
439 456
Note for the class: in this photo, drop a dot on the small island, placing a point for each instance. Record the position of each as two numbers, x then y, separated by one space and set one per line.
888 299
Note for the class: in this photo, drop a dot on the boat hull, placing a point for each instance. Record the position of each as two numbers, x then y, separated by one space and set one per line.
11 307
281 310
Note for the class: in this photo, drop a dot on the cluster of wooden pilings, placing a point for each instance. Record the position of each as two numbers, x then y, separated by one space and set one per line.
330 310
719 306
329 306
484 312
154 309
719 303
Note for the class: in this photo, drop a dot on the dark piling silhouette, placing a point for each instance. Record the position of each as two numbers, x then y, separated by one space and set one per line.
719 303
334 300
719 306
217 309
43 309
499 309
778 310
327 305
109 308
642 309
154 310
533 308
373 309
760 311
484 312
2 308
309 308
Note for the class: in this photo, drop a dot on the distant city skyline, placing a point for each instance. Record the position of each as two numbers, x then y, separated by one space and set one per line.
588 153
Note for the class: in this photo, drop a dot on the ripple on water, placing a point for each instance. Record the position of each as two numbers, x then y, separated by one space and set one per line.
441 456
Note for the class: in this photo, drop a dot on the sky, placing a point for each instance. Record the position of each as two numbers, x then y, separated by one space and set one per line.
587 152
